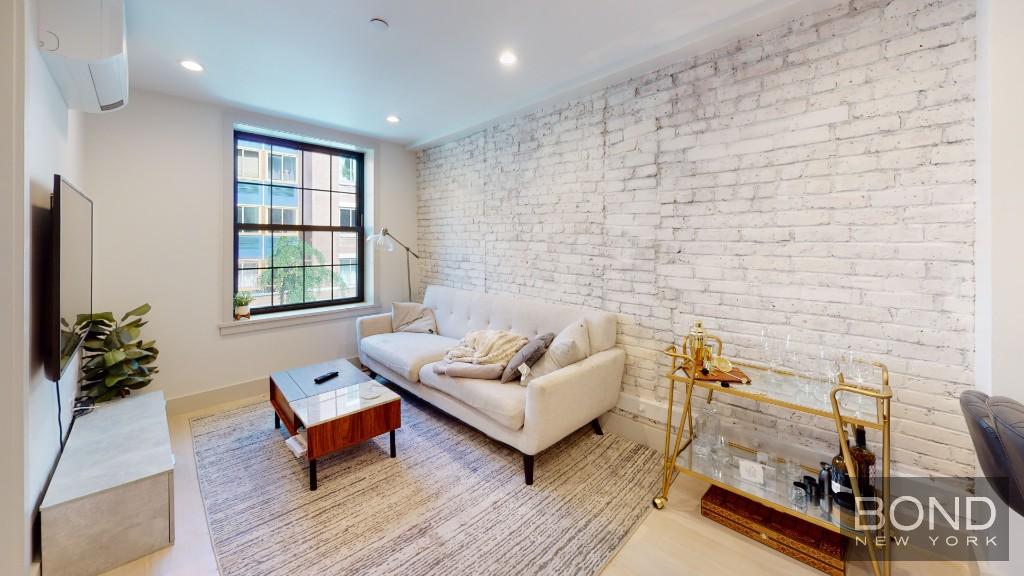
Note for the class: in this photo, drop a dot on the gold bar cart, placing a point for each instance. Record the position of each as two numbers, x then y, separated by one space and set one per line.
679 456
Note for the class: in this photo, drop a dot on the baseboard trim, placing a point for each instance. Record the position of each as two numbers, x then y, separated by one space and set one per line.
642 433
207 398
224 394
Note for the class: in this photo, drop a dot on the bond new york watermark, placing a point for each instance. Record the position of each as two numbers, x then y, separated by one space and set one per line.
934 519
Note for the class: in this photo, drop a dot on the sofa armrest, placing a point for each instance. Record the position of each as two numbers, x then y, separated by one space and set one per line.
559 403
373 324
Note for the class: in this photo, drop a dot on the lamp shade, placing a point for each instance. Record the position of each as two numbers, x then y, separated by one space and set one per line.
381 241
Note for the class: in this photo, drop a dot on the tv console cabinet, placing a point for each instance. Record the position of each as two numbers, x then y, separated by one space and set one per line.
111 499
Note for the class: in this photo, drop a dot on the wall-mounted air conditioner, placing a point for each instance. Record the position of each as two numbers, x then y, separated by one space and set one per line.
83 43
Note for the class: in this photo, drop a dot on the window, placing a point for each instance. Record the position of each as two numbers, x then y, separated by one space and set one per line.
249 214
282 168
249 164
347 216
298 223
348 171
283 216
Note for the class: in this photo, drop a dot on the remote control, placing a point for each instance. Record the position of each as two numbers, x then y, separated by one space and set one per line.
325 377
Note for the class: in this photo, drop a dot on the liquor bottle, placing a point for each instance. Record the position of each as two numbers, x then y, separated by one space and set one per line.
865 462
840 478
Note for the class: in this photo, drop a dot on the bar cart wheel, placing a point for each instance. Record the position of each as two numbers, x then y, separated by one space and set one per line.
659 502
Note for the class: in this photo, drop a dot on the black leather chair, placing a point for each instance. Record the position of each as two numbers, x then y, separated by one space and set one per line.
1008 416
992 454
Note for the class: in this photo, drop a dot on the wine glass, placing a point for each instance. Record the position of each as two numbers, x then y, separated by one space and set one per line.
796 363
827 372
855 372
775 354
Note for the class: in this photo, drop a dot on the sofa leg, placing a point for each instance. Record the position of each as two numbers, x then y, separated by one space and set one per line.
528 468
597 427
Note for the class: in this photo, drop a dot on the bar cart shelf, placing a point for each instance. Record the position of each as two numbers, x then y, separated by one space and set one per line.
793 391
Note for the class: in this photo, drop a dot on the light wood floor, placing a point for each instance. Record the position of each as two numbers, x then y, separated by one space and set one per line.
676 540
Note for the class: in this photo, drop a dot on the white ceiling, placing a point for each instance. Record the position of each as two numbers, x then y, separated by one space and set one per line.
436 66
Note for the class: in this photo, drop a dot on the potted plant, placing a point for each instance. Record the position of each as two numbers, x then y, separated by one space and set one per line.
242 301
116 360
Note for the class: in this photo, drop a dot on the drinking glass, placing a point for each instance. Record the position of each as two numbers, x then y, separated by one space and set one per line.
789 471
855 373
776 352
709 429
828 373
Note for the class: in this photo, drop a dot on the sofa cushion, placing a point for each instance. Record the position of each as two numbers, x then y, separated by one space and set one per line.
406 352
528 355
504 404
459 311
569 347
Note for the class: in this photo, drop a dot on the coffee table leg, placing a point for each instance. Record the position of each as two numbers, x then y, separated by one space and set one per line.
312 474
392 443
277 420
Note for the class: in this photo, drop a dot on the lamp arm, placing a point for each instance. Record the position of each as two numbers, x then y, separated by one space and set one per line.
402 244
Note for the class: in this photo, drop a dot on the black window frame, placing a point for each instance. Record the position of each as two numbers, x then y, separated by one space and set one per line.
359 229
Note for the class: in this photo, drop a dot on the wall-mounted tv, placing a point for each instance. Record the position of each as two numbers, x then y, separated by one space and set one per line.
70 274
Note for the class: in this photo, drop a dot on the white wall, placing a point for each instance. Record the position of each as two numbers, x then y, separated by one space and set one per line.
1000 309
1000 198
14 520
52 145
159 172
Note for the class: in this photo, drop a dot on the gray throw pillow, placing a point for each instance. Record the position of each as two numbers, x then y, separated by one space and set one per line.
528 355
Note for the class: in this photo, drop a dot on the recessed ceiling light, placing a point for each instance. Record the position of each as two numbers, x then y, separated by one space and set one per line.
379 24
192 65
393 119
508 58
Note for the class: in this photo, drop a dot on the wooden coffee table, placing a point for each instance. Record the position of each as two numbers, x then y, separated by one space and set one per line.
335 414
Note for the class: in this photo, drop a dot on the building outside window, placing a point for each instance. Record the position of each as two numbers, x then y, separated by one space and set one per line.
298 223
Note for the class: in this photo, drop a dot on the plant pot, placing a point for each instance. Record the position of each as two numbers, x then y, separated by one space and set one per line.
242 312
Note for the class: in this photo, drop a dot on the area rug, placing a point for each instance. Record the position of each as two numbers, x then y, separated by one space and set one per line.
453 502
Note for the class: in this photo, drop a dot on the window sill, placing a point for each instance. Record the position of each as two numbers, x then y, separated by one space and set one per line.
296 317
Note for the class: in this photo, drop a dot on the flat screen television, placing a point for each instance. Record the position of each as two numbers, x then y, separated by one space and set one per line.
70 272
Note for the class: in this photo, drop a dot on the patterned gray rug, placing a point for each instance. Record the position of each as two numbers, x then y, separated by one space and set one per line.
452 503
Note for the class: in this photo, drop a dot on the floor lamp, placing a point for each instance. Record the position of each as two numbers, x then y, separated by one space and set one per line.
383 240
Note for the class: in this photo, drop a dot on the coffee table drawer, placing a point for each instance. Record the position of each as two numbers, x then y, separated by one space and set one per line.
340 433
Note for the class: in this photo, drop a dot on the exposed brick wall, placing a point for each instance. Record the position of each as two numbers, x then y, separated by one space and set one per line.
816 178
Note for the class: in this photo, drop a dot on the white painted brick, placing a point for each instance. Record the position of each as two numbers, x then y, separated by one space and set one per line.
868 126
923 41
943 13
817 177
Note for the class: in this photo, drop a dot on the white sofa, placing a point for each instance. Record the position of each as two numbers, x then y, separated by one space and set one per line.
528 418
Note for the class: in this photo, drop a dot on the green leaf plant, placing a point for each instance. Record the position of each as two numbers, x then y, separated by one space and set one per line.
116 360
242 299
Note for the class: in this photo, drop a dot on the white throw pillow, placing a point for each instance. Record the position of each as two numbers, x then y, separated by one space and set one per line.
570 346
412 317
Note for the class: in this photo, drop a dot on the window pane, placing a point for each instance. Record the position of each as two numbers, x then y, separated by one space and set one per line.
287 216
254 247
344 169
318 174
344 211
318 248
316 208
284 165
252 194
257 283
346 247
247 155
346 281
287 249
318 283
288 286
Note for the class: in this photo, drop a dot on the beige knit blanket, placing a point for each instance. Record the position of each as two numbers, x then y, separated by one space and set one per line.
486 347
